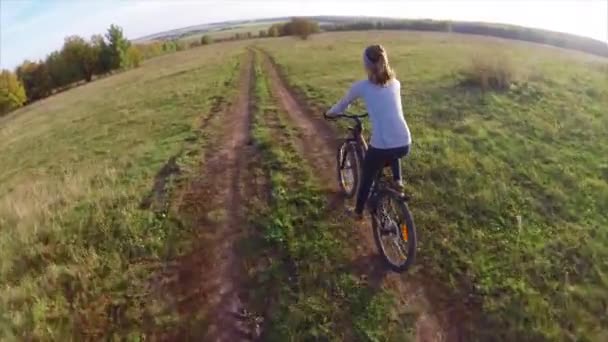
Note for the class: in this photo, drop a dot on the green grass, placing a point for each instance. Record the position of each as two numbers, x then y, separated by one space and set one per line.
510 194
510 188
306 288
254 29
77 252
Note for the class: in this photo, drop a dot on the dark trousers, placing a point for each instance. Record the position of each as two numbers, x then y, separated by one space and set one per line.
375 160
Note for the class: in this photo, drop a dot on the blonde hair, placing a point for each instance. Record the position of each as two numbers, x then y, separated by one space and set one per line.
380 71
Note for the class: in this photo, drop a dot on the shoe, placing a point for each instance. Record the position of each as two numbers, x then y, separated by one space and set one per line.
350 212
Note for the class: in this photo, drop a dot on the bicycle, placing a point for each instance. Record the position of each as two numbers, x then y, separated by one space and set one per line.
391 218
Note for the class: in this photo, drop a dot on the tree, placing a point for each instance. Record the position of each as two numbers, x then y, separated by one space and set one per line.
301 27
133 57
206 40
275 30
103 52
169 46
262 33
118 46
35 79
12 93
79 53
60 72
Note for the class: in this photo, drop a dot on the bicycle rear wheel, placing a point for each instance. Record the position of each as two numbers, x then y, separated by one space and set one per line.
348 167
394 230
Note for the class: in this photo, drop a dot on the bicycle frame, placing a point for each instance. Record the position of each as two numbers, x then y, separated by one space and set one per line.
357 137
356 133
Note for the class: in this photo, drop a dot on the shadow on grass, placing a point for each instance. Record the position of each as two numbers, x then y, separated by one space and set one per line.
370 268
157 197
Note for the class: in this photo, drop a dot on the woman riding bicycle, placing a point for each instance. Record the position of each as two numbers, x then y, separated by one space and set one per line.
390 138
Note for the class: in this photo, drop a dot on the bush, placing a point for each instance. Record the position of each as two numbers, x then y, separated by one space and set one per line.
169 46
150 50
274 30
490 72
133 57
206 40
194 43
12 93
180 45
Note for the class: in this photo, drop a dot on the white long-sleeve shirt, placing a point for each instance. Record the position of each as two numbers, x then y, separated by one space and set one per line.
389 129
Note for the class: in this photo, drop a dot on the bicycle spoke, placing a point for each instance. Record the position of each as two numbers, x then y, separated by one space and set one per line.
399 249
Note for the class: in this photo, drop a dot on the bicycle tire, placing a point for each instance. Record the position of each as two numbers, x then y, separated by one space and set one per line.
347 154
410 230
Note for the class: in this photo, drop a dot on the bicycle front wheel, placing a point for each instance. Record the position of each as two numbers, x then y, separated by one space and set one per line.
394 230
348 167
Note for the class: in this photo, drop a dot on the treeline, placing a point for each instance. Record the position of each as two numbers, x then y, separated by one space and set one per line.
299 27
154 49
557 39
79 60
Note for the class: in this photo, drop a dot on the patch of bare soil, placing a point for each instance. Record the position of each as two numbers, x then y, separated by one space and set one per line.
207 283
318 143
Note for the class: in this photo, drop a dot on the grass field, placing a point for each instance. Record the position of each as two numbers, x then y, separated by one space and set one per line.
76 169
510 196
228 33
510 189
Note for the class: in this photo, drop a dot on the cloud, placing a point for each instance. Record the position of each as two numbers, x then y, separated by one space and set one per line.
41 29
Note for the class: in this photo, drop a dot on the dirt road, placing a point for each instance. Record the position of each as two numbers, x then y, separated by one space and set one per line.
208 280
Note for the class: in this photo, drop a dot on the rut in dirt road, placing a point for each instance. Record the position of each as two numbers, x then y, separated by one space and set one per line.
318 141
318 144
225 167
209 279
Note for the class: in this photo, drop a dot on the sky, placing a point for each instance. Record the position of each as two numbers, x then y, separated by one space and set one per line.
31 29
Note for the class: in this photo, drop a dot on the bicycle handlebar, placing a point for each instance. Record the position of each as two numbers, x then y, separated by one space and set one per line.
355 117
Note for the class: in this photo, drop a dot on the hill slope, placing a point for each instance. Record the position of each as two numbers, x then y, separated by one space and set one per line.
84 182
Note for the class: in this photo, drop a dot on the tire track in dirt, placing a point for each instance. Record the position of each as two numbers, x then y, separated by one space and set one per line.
209 280
318 143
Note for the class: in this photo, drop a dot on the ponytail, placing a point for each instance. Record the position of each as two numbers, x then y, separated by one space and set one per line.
376 60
